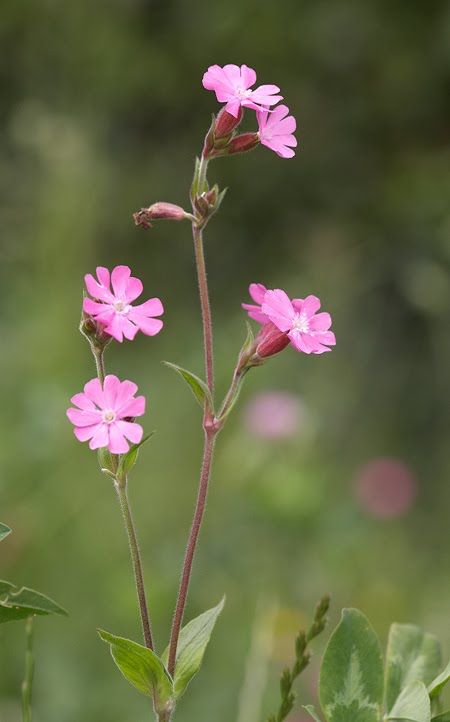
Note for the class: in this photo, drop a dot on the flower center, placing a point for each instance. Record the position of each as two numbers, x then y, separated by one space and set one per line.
301 323
122 307
242 93
109 416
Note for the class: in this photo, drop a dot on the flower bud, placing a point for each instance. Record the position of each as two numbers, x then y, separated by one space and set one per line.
159 211
269 341
242 143
226 123
94 332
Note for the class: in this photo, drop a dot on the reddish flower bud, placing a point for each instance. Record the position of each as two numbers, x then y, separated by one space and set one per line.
242 143
270 340
226 123
159 211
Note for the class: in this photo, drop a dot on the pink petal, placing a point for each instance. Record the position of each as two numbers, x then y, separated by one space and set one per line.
257 291
100 438
278 307
133 432
115 327
132 407
232 73
248 76
98 291
212 77
133 289
83 418
326 337
149 326
82 401
94 392
85 433
255 312
311 305
286 126
119 279
124 394
111 387
117 443
232 107
152 307
320 322
103 276
128 328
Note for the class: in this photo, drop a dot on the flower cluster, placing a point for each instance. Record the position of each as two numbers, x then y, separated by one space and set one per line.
233 86
284 320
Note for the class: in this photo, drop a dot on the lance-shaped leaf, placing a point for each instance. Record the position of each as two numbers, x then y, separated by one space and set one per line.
413 704
19 603
437 685
129 459
312 711
196 385
141 667
351 677
194 638
411 655
4 531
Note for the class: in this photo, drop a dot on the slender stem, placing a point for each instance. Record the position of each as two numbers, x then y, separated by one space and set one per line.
136 560
205 306
232 393
190 549
27 684
99 363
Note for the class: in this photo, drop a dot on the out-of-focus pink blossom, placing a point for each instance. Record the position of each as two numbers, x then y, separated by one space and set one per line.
104 414
307 330
276 130
112 309
385 488
257 292
274 415
232 85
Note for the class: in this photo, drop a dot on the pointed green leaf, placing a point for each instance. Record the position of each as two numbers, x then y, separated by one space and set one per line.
411 655
18 603
194 638
309 708
413 704
197 386
129 459
437 685
444 717
351 677
141 667
4 531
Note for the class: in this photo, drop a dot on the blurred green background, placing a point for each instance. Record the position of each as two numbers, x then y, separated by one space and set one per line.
102 111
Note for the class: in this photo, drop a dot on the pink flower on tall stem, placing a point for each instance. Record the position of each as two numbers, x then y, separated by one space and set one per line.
103 414
307 330
112 309
232 85
276 130
257 291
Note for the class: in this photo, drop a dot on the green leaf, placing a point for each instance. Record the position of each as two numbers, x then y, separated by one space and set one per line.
413 704
438 684
444 717
141 667
194 638
351 677
197 386
18 603
4 531
411 655
129 459
309 708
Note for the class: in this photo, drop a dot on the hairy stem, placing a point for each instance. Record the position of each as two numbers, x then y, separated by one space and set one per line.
121 489
99 363
27 684
204 305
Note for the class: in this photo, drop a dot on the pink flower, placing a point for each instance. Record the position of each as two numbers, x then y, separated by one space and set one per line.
113 310
275 130
307 330
232 85
257 291
103 414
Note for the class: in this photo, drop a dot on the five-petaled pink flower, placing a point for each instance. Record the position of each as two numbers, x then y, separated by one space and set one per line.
307 330
104 414
112 309
232 85
276 130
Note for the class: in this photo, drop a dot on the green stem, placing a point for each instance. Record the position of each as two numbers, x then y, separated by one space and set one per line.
99 363
27 684
232 394
121 489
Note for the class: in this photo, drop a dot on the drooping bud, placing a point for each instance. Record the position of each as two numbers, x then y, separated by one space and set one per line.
226 123
94 333
160 211
242 143
270 340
